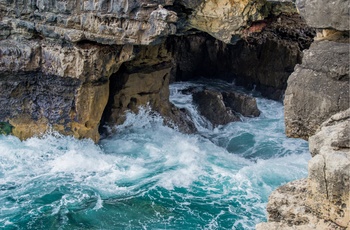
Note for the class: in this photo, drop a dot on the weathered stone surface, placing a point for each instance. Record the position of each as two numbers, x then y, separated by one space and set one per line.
318 88
211 105
325 14
241 103
288 210
263 60
52 85
322 201
144 81
20 55
106 22
225 19
329 170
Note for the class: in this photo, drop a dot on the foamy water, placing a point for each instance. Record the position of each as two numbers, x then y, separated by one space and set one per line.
148 176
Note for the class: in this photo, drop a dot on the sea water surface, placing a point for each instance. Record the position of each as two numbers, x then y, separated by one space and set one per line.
149 176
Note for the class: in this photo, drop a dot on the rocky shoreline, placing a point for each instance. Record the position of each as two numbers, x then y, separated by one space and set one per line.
317 109
82 65
76 66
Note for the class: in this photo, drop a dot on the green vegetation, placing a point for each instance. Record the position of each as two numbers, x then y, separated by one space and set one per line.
5 128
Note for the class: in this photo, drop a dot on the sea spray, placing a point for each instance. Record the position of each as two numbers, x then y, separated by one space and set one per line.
149 176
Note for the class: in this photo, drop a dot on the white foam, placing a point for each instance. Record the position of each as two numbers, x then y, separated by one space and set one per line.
144 156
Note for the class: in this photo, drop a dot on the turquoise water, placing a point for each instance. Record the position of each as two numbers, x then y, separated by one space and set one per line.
148 176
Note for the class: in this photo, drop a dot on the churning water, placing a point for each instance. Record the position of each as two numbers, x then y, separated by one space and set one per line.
148 176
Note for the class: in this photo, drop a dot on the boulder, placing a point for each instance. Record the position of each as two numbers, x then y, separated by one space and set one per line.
212 107
318 88
241 103
225 19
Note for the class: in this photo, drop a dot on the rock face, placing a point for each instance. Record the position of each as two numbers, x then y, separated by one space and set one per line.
47 83
105 22
318 88
325 14
288 210
264 59
68 65
317 108
329 170
322 200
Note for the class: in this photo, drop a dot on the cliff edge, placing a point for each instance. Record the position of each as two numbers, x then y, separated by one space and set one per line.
317 109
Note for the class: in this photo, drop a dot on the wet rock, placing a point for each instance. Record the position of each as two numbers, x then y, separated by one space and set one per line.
211 105
5 128
241 103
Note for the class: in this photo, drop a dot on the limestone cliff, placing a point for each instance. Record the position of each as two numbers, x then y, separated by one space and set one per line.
317 108
68 65
322 200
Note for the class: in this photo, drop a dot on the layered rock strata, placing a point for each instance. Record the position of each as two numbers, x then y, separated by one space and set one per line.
49 84
68 65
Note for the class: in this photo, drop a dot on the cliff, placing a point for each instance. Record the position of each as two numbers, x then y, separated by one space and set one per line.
317 108
75 66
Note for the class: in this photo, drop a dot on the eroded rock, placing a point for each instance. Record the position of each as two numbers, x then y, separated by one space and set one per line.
322 200
329 170
241 103
144 81
325 14
105 22
288 209
212 107
318 88
223 108
225 19
52 85
264 59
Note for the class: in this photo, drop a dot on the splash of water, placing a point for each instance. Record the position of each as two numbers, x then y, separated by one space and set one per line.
150 176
